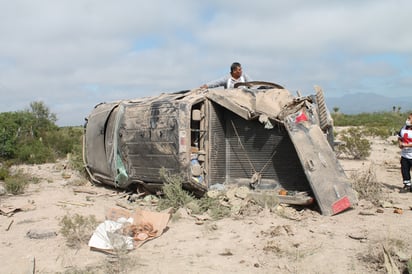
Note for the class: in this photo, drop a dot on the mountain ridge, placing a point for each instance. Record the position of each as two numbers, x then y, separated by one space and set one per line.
356 103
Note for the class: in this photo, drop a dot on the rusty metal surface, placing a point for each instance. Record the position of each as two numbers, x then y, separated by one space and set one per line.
149 139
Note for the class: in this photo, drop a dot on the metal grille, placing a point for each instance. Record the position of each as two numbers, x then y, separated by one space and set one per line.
217 145
244 147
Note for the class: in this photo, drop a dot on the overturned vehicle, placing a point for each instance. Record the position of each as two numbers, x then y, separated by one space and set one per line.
257 134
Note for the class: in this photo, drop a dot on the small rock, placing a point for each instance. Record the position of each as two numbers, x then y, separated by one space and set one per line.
386 204
133 198
227 252
366 213
38 234
151 199
398 211
2 190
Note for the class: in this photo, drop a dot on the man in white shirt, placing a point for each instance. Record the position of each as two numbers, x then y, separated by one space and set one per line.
236 76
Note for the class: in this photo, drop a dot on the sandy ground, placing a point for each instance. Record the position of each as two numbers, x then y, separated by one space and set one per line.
280 239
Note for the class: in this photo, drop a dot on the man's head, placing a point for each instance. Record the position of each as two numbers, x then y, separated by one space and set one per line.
236 70
408 121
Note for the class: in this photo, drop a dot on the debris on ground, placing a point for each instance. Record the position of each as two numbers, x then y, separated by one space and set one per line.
124 229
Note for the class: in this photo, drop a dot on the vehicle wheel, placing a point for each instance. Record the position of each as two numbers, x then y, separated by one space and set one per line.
259 85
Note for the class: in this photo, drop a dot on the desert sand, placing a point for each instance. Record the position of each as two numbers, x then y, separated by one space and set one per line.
279 239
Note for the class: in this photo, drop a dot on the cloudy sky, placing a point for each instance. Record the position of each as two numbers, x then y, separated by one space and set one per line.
74 54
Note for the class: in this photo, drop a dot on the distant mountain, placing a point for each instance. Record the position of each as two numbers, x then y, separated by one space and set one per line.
367 102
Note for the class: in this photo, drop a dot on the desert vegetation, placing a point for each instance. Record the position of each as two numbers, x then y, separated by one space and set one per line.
354 139
31 136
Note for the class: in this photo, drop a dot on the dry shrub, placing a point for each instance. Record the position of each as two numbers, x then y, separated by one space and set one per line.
77 270
273 247
396 246
77 229
373 258
383 258
120 262
17 183
353 145
366 185
265 199
215 207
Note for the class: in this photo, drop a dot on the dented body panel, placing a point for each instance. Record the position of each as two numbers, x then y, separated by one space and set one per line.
242 136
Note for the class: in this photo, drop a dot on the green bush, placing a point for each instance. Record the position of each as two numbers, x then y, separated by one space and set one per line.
31 136
64 140
4 173
376 119
35 152
13 127
173 194
381 131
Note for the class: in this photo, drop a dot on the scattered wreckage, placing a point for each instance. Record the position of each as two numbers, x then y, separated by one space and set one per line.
257 134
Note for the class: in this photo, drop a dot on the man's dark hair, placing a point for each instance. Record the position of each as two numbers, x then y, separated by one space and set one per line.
234 66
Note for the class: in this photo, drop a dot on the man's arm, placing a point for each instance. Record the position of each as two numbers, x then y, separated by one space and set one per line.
217 83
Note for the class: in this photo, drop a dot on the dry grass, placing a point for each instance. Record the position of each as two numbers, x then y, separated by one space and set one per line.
17 182
377 256
366 185
77 229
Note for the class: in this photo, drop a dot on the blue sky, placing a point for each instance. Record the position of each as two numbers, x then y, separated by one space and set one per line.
73 55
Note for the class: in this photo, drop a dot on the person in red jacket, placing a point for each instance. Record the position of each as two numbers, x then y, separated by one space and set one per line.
405 143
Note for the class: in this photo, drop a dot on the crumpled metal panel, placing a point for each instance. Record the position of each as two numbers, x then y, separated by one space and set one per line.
331 187
251 103
96 139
